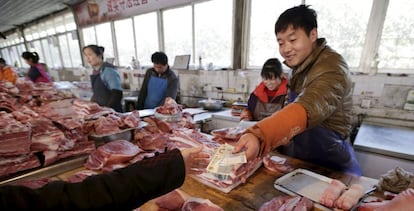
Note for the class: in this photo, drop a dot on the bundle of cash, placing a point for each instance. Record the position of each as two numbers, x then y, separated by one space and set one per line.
224 162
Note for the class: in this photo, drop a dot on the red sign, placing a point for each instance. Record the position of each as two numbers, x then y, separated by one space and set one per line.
99 11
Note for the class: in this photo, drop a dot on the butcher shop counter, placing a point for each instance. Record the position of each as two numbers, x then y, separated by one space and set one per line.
258 189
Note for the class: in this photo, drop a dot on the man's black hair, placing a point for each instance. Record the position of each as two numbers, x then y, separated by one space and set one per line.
159 58
299 17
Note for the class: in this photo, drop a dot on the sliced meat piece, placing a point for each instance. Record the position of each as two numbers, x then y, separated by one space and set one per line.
200 204
80 148
274 164
150 121
232 133
119 151
141 133
114 152
332 193
106 125
163 125
12 165
290 203
303 205
170 107
157 142
131 120
173 200
274 204
350 197
287 203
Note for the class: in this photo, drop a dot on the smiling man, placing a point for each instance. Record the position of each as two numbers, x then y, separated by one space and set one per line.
316 123
159 82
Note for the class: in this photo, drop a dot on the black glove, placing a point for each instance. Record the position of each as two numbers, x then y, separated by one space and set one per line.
115 100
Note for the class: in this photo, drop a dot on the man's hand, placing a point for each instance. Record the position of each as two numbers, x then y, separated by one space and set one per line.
195 160
250 143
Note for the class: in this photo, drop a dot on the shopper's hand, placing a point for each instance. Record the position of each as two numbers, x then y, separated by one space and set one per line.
195 160
249 143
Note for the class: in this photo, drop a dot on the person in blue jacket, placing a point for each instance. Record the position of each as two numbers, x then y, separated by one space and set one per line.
159 83
106 82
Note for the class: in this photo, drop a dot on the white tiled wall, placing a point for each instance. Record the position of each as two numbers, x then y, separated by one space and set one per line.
386 94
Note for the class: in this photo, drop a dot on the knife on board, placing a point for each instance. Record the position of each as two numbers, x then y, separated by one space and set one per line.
361 200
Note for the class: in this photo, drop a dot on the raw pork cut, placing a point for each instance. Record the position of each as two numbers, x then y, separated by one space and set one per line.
350 197
170 107
12 165
14 136
274 204
173 200
114 152
287 203
231 133
199 204
332 193
275 164
131 120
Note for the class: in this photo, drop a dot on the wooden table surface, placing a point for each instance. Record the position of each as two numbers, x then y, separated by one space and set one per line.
258 189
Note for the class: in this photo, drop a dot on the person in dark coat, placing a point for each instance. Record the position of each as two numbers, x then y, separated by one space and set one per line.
106 82
121 189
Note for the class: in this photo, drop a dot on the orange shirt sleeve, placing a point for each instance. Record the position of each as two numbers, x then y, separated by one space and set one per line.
9 75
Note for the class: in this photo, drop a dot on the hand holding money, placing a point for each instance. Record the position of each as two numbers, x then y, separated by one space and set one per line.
224 161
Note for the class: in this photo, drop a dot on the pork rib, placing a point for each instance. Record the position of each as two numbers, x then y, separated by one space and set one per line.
350 197
332 193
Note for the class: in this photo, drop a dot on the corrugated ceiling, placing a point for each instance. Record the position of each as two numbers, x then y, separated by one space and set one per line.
14 13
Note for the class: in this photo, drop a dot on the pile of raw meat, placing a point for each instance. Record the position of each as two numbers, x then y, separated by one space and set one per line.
170 107
160 136
39 125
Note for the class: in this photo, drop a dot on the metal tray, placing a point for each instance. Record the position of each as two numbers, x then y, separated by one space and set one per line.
125 134
301 182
